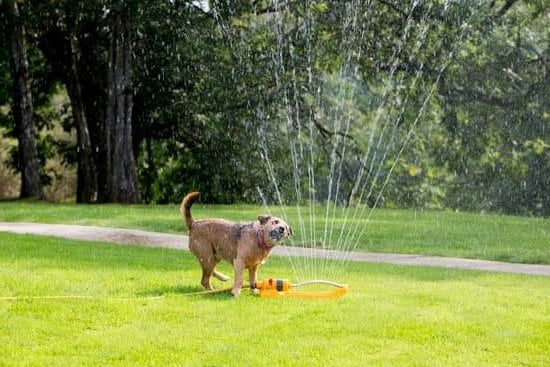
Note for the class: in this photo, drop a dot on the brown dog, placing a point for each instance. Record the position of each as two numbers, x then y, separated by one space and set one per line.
244 245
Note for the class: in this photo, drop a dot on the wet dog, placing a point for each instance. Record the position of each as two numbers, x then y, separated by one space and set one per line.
244 245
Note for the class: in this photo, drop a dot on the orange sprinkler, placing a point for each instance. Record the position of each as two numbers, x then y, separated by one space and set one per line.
272 288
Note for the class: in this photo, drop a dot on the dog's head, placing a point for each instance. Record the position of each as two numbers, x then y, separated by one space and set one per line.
274 229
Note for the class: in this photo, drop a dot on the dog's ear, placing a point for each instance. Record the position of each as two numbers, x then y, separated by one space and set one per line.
290 231
264 218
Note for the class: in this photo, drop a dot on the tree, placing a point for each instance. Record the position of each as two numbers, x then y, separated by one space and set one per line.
120 169
31 185
445 103
92 57
87 181
58 41
495 104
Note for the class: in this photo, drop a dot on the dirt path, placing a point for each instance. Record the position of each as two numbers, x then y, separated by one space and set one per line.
155 239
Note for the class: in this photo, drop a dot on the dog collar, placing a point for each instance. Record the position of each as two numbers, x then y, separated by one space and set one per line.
261 242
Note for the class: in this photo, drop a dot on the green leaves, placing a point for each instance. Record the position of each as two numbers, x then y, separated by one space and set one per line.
538 145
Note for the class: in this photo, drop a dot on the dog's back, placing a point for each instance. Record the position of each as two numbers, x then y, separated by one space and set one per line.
219 235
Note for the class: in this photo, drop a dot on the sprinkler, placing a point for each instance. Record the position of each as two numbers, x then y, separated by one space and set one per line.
273 288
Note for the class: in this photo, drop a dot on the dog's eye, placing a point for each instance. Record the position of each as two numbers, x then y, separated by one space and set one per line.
275 222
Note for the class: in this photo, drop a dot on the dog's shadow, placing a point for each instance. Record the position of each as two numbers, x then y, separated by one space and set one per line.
184 290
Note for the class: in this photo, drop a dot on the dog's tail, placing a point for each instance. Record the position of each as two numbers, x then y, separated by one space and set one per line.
185 207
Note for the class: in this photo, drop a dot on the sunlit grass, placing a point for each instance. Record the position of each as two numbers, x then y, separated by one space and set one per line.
392 315
443 233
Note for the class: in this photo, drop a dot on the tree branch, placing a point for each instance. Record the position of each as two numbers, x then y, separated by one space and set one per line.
475 95
326 133
505 8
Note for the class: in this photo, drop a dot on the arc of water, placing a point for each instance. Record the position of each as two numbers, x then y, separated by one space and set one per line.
298 153
455 46
344 69
289 123
376 176
364 160
407 139
352 230
335 144
271 172
357 238
345 243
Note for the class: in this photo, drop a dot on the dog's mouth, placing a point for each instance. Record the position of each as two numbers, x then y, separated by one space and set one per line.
278 233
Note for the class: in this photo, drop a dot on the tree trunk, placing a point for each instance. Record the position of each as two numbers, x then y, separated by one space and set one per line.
31 185
121 176
86 190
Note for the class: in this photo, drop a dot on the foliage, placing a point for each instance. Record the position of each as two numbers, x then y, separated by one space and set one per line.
496 100
403 104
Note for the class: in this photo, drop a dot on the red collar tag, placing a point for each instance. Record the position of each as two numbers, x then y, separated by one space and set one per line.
261 243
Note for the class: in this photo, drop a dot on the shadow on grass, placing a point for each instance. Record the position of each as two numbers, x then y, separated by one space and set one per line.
186 290
11 200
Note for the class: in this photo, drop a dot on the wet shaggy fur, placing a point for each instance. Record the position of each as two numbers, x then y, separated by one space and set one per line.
244 245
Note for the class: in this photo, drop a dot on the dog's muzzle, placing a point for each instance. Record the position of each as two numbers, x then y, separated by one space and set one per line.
277 233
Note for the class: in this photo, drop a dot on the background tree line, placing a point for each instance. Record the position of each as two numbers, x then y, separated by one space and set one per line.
416 104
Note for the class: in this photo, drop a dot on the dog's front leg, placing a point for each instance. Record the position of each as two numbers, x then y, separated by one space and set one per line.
238 266
253 273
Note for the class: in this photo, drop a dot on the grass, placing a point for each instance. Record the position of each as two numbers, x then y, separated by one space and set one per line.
404 316
442 233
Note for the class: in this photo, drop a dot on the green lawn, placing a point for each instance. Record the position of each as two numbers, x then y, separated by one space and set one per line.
392 315
443 233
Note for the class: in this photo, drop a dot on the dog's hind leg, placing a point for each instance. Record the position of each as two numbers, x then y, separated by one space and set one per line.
208 263
220 276
205 280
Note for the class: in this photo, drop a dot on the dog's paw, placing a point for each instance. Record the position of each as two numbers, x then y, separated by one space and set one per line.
235 292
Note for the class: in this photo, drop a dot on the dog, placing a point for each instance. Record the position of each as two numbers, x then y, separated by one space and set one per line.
244 245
